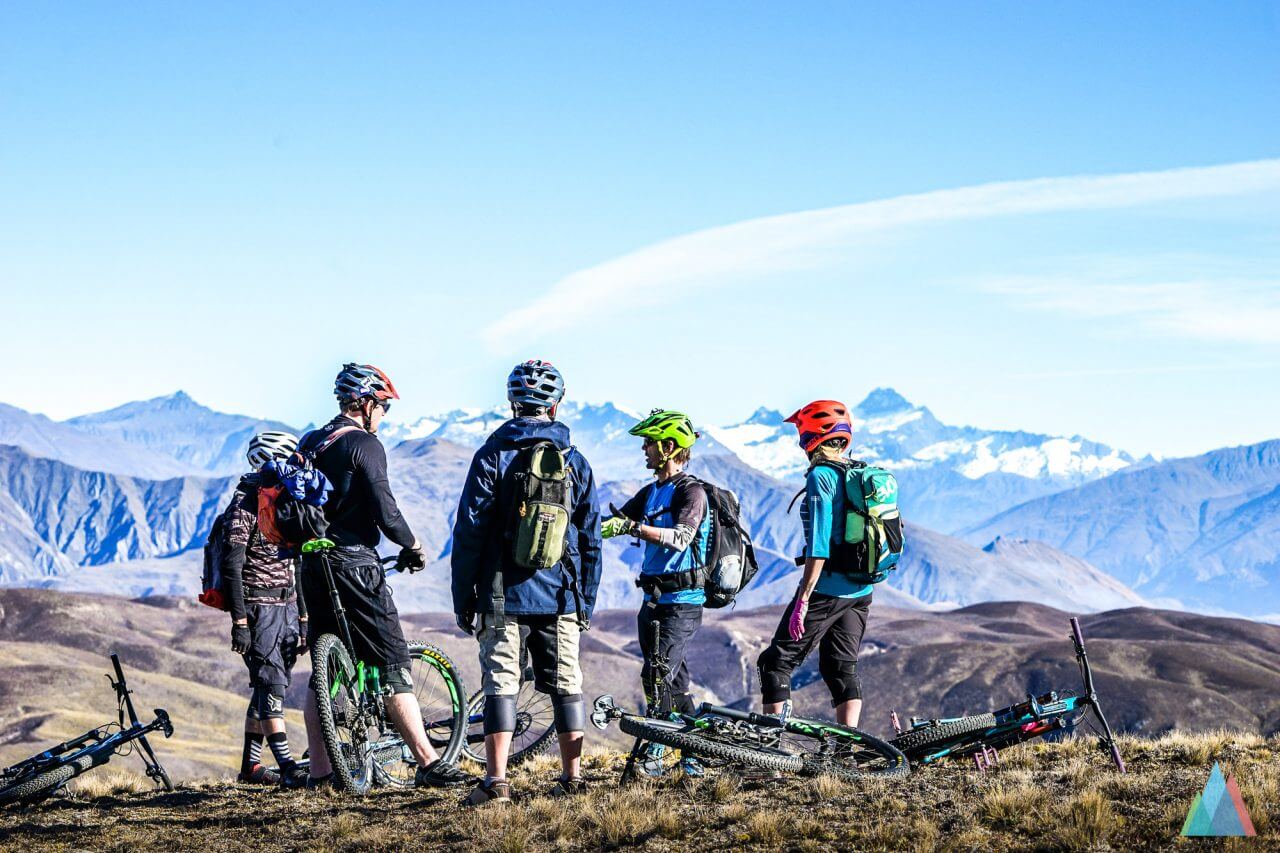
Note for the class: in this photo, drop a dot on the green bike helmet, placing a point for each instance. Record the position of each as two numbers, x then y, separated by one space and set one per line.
663 424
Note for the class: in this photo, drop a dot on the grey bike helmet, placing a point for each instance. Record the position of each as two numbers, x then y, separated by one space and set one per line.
357 381
535 383
269 445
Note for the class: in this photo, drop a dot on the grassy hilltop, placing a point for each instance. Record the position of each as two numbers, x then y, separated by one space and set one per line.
1041 797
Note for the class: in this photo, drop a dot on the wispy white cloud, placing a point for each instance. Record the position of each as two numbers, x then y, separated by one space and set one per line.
1145 370
720 256
1232 310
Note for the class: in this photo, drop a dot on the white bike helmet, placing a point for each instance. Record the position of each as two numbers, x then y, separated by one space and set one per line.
269 445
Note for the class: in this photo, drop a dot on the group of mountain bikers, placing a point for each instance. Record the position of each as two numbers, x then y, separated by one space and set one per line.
526 565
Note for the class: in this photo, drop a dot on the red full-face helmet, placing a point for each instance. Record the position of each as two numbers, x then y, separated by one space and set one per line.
821 420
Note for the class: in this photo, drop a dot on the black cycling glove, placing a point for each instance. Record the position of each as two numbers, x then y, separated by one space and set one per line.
412 559
240 638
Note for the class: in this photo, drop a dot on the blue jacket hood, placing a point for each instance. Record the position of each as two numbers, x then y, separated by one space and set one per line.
520 430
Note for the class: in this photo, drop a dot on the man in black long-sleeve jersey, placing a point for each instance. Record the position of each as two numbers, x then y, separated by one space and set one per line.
359 511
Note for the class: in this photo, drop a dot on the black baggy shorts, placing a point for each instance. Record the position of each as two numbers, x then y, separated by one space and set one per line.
366 599
273 644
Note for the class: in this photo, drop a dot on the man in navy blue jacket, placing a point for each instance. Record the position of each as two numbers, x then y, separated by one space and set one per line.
553 605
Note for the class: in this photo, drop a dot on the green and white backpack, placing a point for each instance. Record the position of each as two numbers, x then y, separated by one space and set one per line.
872 525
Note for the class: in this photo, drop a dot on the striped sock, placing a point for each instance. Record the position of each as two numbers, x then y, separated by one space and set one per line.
252 751
279 743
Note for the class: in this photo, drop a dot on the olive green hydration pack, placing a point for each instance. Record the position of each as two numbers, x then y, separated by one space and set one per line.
543 505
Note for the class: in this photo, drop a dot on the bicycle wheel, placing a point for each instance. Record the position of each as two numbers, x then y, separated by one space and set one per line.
342 720
741 744
843 751
38 786
921 742
535 724
441 695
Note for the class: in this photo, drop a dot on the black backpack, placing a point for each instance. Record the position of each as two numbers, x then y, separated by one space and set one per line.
212 583
730 561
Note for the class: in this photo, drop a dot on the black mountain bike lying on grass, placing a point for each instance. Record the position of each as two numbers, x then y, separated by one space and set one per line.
785 743
363 746
36 778
980 736
729 736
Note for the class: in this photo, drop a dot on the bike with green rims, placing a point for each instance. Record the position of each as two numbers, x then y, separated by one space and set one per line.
362 744
780 743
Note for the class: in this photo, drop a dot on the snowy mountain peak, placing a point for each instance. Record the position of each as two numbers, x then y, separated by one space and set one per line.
882 402
765 417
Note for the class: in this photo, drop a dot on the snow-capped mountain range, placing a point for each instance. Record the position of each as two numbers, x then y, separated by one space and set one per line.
952 476
122 500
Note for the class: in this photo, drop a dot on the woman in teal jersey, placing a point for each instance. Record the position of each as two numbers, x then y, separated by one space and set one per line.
829 610
672 518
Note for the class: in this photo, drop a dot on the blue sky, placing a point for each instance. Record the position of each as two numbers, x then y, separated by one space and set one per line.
232 201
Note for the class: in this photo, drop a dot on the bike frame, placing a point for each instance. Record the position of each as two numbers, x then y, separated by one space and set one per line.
98 744
1036 716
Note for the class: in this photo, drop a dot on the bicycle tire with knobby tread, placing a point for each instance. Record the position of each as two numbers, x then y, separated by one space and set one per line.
897 766
391 750
679 736
440 662
916 742
41 785
328 726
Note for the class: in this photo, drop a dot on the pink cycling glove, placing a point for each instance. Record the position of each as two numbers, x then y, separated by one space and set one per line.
795 627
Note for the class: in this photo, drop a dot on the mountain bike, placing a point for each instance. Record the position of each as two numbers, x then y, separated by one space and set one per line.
727 735
982 735
782 743
535 718
363 746
39 776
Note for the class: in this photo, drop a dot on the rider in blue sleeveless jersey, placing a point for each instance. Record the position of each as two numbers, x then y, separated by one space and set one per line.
672 518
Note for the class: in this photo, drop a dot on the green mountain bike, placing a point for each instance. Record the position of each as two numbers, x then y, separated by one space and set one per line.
727 735
362 745
782 743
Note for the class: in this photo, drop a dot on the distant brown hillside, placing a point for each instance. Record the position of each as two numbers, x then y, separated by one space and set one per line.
1157 670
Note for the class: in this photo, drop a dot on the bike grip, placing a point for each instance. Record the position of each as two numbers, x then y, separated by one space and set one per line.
1076 632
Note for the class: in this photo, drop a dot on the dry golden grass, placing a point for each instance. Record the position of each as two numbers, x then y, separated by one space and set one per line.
1010 808
827 787
1088 820
1062 797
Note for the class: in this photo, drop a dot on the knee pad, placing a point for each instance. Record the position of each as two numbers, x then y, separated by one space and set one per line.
267 703
570 712
398 679
499 714
775 679
842 679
